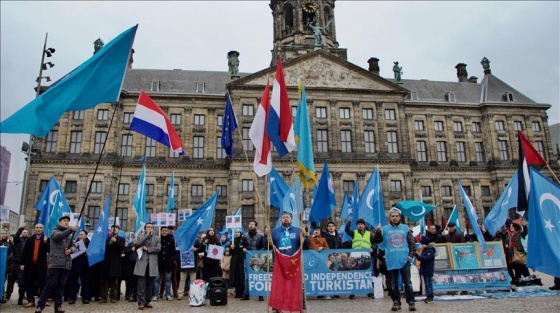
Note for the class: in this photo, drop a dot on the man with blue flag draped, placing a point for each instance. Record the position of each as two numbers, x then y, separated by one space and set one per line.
324 200
139 202
302 132
543 241
97 80
200 220
499 213
229 125
96 249
171 194
278 188
47 202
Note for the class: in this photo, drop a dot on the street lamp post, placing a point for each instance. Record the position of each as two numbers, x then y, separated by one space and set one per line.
29 149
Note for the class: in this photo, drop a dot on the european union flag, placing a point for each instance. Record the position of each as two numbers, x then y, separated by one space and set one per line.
543 241
139 202
324 200
97 80
96 249
497 217
200 220
51 197
278 189
229 125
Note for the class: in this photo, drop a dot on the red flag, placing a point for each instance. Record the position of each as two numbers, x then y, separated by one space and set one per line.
428 222
286 289
443 221
528 156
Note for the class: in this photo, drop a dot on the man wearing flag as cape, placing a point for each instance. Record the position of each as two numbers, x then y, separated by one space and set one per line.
286 291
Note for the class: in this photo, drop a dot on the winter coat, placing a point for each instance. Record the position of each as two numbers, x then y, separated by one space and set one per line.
167 254
128 261
253 240
60 240
149 258
112 261
19 242
27 257
427 259
236 270
454 237
316 242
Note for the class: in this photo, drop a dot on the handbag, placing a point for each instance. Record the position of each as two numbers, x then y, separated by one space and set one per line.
519 257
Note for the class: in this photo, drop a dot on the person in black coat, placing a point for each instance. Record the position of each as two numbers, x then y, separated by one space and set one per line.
426 255
112 266
34 265
237 268
166 257
211 267
129 258
80 270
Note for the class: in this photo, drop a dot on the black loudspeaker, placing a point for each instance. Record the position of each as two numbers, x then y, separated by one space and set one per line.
218 296
217 282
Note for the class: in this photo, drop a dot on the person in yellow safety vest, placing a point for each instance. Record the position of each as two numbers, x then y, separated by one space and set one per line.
361 239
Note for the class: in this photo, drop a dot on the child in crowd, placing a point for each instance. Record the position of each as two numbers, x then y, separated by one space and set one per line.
426 255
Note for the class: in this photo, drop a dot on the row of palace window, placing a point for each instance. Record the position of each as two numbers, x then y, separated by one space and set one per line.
321 112
476 126
321 141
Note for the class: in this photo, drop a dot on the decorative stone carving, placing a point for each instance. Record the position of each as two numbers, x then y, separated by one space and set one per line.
332 102
234 174
360 175
185 179
336 175
379 105
160 179
356 103
164 108
209 180
187 110
211 111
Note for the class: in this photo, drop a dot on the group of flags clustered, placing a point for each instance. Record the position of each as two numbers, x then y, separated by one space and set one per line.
99 80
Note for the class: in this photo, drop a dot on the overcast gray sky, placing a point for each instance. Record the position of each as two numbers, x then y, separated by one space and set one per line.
521 39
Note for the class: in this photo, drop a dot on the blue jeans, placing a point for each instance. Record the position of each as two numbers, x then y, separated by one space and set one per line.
393 279
157 284
428 283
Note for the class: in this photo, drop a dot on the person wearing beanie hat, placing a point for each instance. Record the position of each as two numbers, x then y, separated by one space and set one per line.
452 235
362 239
399 251
426 255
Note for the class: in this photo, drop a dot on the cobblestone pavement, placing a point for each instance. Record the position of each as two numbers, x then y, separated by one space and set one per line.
360 304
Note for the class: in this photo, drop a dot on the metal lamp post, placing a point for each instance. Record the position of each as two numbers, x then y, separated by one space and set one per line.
29 149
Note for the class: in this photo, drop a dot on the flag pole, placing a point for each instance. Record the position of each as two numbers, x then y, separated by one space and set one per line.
255 182
121 164
115 105
555 177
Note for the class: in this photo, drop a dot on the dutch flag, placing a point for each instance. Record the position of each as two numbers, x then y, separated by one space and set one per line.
150 121
263 161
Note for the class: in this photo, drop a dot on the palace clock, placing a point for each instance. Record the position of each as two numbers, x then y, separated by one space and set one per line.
309 6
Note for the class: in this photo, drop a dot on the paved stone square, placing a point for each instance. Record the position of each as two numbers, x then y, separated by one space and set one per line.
360 304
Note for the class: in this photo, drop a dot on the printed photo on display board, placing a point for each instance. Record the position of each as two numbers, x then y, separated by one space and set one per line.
493 255
465 256
443 259
187 259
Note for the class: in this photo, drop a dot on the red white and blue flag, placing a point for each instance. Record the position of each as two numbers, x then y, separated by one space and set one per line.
279 126
528 156
150 121
263 160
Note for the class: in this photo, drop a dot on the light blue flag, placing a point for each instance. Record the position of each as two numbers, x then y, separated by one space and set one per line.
200 220
473 217
422 226
543 240
139 202
278 188
53 219
171 195
96 249
370 206
352 211
81 226
293 203
47 202
454 217
302 133
97 80
324 201
345 208
497 217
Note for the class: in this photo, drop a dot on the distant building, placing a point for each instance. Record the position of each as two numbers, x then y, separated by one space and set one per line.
555 139
423 135
5 157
